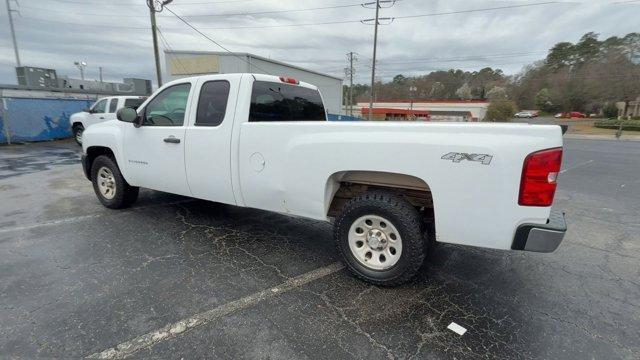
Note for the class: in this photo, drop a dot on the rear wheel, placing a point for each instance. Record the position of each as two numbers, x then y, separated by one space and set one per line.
110 187
380 237
78 129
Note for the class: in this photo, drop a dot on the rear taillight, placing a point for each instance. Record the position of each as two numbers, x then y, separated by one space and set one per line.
539 174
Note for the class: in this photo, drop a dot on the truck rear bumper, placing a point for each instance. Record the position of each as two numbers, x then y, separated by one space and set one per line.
541 237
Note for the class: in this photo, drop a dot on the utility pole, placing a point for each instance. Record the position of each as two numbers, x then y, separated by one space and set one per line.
350 72
100 68
373 60
376 22
152 14
412 91
13 32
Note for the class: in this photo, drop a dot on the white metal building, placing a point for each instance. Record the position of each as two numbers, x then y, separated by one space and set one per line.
180 64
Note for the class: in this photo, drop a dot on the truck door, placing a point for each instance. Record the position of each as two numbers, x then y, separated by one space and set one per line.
112 107
154 152
208 145
97 113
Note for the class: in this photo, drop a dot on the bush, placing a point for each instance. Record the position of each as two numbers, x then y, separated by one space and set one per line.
610 111
615 124
500 111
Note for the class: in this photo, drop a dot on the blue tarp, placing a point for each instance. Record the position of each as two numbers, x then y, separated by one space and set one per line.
39 119
336 117
3 138
48 119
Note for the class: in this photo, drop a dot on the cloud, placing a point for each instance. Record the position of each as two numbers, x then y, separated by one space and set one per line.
116 35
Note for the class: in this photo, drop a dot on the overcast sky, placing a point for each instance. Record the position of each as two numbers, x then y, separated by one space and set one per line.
115 34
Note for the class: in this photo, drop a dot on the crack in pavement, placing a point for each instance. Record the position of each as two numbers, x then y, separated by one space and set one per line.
129 348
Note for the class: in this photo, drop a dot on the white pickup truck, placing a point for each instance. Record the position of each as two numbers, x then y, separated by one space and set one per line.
102 110
393 188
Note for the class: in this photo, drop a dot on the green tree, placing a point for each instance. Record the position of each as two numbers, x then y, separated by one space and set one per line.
497 93
610 111
500 111
545 102
399 79
464 92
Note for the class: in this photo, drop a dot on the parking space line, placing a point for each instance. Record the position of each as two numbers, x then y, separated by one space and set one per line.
170 331
575 166
83 217
50 223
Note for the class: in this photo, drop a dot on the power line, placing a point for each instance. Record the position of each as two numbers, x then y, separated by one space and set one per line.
479 10
390 18
167 46
118 3
275 11
211 15
215 42
335 22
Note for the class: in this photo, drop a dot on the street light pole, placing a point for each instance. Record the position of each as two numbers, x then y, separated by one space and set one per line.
81 65
13 33
412 90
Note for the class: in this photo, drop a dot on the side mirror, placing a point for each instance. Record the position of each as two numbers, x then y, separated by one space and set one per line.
87 110
127 115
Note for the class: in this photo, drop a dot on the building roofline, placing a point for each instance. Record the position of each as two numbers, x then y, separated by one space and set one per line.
262 58
365 110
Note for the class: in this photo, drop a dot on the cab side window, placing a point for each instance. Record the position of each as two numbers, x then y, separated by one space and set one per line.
212 104
99 107
113 105
168 107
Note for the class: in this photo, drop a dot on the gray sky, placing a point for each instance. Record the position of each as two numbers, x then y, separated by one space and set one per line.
115 34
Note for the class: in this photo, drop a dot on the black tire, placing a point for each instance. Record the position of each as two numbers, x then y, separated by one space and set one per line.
78 129
404 217
124 194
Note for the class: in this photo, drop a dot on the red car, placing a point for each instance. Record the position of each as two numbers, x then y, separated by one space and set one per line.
572 114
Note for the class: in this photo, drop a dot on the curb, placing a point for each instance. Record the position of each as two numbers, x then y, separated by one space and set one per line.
602 137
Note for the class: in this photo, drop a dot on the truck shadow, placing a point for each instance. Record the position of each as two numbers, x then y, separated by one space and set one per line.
476 288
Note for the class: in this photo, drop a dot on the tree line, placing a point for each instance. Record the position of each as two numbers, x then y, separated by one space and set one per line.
588 76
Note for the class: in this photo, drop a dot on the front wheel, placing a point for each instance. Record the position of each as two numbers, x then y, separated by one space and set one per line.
78 129
380 237
110 187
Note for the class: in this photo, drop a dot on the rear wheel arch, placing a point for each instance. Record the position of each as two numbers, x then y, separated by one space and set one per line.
345 185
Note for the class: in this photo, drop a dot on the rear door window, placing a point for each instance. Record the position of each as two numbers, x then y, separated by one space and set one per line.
271 101
113 105
133 103
212 104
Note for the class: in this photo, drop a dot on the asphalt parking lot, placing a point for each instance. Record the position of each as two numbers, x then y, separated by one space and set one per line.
174 277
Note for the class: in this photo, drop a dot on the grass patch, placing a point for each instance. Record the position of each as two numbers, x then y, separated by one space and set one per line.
633 125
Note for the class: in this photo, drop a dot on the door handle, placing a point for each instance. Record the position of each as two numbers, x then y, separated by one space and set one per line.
172 139
102 117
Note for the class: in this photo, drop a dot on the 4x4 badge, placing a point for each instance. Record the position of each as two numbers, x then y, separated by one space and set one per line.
456 157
